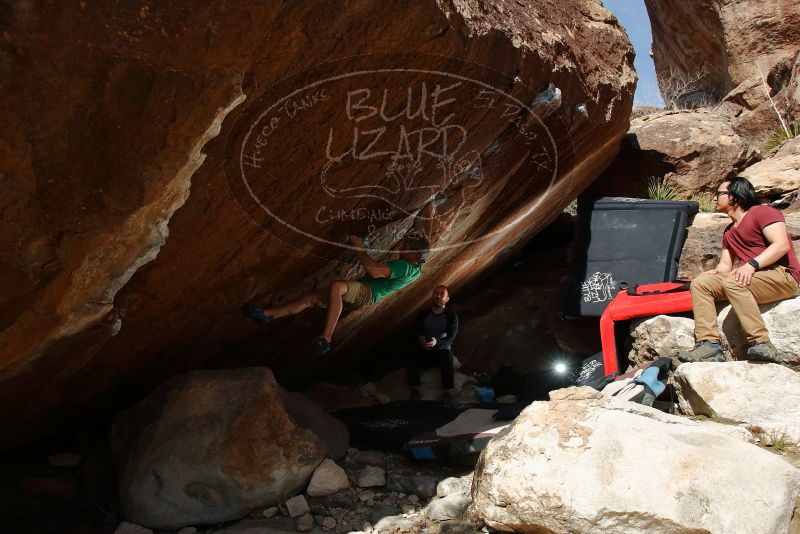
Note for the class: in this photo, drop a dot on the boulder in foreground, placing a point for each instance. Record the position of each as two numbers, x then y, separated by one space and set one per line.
210 446
582 463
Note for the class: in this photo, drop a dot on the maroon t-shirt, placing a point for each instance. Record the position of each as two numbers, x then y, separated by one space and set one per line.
747 240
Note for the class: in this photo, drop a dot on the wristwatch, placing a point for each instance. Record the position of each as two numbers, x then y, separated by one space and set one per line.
754 263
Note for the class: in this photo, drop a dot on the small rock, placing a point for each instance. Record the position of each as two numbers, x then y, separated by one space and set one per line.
296 506
272 511
394 524
423 486
188 530
413 499
371 477
367 457
446 508
328 523
327 479
305 523
506 399
64 459
131 528
454 485
382 512
366 496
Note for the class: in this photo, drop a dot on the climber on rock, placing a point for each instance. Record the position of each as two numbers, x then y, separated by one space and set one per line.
382 279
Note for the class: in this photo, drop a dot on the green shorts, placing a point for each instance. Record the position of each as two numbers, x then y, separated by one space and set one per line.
358 295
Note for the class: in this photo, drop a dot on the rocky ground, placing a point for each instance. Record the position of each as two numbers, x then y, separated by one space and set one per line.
116 207
68 485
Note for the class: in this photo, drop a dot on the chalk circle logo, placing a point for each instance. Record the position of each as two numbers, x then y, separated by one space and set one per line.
360 146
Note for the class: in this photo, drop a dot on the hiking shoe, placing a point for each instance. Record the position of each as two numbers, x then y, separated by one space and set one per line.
321 347
703 351
763 352
257 314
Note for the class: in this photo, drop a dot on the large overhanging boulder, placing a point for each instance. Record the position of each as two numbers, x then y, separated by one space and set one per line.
583 464
129 241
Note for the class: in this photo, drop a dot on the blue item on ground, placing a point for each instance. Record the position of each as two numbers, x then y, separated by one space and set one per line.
649 377
423 453
484 394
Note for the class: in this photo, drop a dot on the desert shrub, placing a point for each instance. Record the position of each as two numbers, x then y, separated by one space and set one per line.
641 111
658 188
779 136
685 90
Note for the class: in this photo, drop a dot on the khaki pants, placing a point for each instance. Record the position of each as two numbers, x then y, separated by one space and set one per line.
358 295
768 285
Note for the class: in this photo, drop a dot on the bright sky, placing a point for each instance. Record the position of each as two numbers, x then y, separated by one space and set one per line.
633 16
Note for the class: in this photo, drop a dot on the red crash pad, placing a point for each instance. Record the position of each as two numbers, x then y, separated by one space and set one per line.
649 299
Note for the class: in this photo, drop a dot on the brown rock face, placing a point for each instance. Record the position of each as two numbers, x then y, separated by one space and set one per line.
210 446
725 40
777 178
130 239
694 150
784 87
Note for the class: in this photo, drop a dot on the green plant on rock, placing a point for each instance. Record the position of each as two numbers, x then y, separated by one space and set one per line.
779 136
659 188
778 441
707 202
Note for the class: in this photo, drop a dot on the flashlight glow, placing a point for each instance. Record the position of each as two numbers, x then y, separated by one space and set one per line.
560 368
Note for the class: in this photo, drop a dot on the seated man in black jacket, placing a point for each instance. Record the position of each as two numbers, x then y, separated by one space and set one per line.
436 329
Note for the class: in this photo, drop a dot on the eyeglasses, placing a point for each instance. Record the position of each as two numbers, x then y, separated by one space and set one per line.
720 193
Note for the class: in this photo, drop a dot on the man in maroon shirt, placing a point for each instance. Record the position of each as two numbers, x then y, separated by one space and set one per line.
757 265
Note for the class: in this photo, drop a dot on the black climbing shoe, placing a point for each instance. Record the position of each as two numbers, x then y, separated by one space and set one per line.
257 314
321 347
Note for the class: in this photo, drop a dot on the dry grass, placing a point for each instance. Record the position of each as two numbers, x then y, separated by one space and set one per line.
641 111
707 202
685 90
777 137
